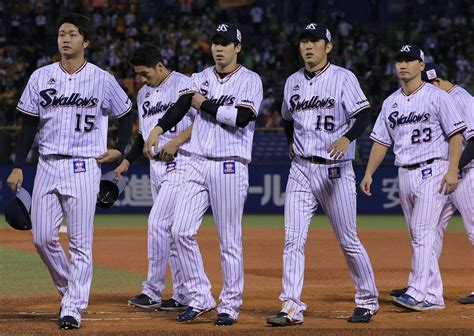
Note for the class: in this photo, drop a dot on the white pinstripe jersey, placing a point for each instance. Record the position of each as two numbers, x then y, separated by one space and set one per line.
418 125
322 109
465 103
212 139
153 102
73 108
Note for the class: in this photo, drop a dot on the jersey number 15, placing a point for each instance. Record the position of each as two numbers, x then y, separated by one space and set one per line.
88 121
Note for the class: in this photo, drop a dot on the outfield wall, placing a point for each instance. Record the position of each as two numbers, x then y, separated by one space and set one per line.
266 191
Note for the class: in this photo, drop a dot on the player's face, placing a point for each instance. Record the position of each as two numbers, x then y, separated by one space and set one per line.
70 42
314 51
148 75
408 69
225 53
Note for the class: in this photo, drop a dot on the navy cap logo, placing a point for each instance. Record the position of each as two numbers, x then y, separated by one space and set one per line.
311 26
406 48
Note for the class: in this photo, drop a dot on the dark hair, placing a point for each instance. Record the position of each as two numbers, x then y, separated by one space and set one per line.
80 21
147 55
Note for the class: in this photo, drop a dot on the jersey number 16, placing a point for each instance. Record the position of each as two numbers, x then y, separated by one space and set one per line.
327 123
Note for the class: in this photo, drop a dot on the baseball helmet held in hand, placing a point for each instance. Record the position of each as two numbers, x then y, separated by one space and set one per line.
110 189
17 211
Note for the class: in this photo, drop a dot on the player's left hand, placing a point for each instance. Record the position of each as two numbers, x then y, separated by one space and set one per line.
109 156
449 183
197 100
338 148
169 150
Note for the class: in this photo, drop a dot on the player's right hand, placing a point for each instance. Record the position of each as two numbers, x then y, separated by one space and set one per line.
152 142
365 184
122 168
15 180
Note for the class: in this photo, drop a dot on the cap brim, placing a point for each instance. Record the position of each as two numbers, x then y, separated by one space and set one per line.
405 56
224 37
307 33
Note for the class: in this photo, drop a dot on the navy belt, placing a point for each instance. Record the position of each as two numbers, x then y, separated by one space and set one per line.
317 159
418 165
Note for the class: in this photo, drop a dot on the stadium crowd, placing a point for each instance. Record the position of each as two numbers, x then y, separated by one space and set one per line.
28 34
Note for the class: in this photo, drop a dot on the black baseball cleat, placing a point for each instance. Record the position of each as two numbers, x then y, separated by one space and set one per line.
224 319
68 322
467 300
398 292
172 305
282 319
192 313
144 301
361 315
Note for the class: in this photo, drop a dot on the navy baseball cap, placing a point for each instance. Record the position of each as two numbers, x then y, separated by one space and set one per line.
316 30
110 189
17 211
228 32
431 72
411 52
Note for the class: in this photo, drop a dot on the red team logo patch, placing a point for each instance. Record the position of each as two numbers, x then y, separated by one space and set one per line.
229 167
79 166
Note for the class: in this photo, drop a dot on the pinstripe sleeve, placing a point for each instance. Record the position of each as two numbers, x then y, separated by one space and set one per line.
116 101
353 98
380 133
450 118
29 100
190 86
469 118
252 94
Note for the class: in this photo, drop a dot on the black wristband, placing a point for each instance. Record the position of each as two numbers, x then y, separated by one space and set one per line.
124 132
362 120
25 140
137 149
177 112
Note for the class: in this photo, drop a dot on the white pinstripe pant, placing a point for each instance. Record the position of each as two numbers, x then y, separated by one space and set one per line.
165 186
309 185
208 185
462 200
60 193
422 204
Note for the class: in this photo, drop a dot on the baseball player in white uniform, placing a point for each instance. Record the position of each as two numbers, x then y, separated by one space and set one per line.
324 110
460 199
424 126
68 103
167 170
227 97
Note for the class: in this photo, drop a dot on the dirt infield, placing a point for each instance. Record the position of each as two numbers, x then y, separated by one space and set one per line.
328 290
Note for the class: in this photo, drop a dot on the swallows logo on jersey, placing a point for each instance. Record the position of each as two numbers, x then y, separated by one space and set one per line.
75 99
396 119
51 81
223 100
204 88
313 103
160 107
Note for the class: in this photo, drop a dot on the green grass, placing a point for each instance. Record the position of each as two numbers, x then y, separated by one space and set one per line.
23 273
274 221
391 222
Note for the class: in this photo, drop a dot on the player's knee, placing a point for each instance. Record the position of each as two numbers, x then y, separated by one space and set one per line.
43 242
180 235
